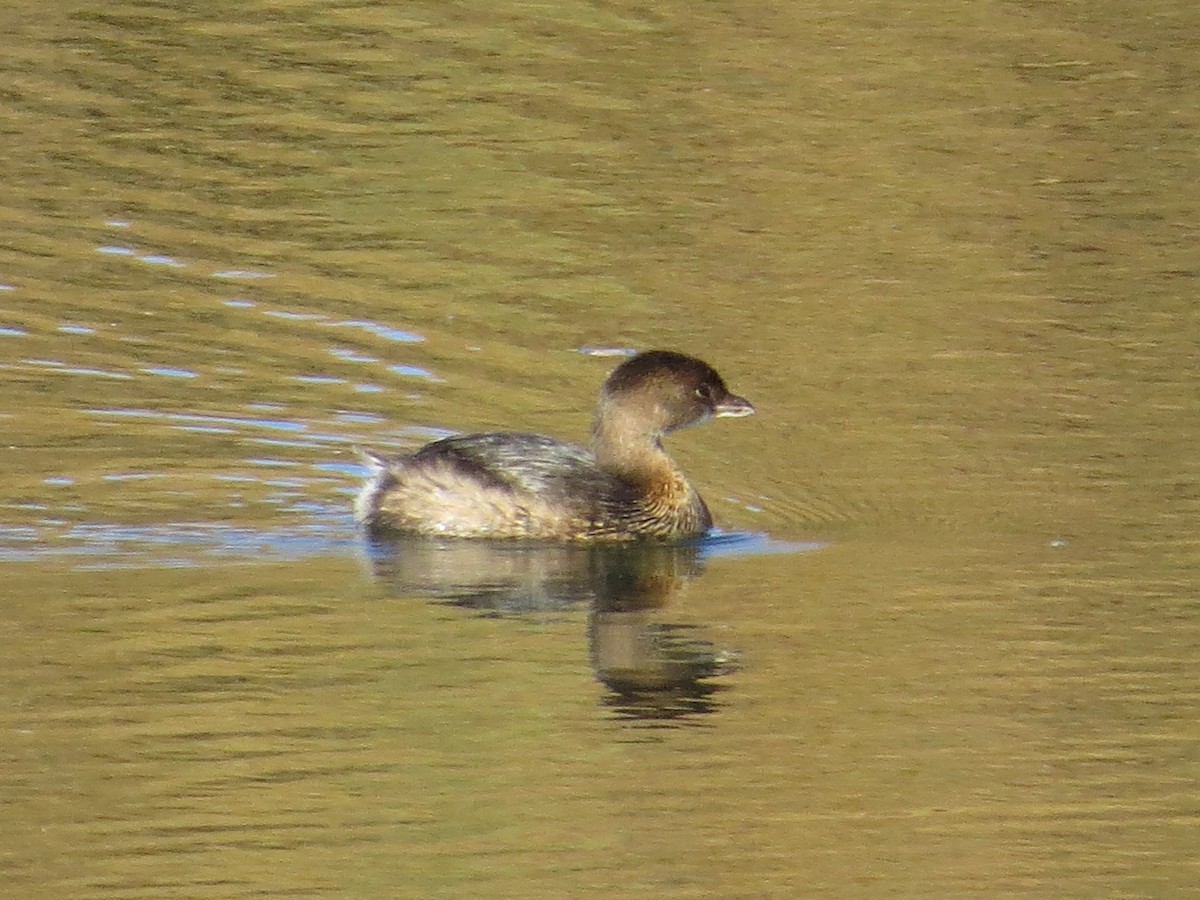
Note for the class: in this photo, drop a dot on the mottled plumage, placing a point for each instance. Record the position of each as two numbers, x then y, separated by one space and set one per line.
515 485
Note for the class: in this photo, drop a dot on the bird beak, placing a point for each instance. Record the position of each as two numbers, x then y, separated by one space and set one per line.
733 406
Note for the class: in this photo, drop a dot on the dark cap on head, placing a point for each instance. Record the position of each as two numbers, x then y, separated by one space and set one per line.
688 390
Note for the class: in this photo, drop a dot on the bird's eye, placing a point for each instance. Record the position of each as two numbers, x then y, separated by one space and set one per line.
704 392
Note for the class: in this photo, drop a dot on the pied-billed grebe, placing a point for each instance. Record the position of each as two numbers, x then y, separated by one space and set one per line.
511 485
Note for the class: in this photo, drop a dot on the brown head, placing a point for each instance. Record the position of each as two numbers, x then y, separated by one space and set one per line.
659 391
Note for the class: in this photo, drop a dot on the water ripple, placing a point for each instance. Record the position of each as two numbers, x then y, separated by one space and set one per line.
114 545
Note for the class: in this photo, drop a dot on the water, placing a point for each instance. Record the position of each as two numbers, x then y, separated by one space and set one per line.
945 646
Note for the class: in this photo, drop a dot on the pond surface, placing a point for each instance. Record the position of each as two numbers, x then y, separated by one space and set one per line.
946 642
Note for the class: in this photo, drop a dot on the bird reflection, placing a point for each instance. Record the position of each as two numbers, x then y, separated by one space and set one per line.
654 670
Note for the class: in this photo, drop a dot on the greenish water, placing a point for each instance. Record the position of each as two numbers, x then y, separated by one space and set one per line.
947 647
